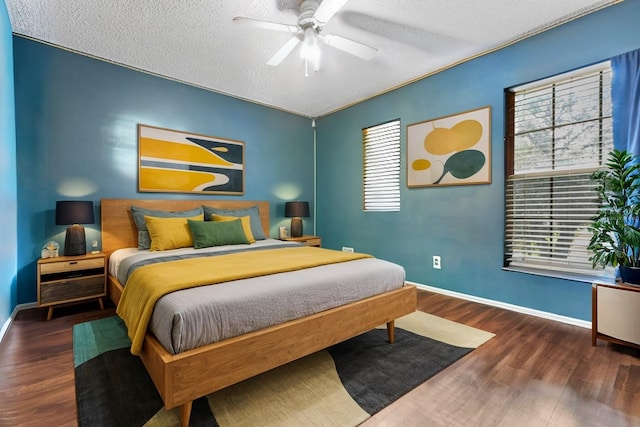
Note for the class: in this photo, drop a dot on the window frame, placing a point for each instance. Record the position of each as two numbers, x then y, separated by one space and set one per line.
549 268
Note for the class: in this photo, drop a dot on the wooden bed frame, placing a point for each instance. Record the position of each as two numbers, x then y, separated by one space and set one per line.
183 377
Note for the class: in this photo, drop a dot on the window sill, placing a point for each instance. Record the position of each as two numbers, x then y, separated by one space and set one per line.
576 277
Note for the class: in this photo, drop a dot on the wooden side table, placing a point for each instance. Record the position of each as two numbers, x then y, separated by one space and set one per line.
615 313
68 279
305 240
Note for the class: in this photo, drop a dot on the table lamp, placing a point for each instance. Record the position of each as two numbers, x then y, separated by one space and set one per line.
296 211
74 213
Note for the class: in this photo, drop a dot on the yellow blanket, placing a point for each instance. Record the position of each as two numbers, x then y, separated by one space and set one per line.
149 283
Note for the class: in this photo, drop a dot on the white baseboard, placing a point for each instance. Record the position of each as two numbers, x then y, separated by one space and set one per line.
7 323
506 306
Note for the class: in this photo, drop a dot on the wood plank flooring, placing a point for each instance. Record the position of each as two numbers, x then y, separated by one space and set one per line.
535 372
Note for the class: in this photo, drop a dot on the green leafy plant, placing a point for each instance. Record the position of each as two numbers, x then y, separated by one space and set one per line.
615 237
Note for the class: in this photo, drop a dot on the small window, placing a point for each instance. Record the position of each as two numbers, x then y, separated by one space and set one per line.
559 131
381 171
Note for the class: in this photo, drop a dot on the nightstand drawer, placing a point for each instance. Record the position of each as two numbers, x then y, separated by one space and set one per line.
69 279
74 265
65 290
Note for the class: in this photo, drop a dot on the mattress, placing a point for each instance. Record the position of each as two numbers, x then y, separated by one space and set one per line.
191 318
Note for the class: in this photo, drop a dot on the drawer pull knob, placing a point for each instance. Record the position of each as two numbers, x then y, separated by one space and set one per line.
73 262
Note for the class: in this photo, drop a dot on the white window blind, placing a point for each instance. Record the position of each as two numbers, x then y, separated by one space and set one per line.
559 133
381 171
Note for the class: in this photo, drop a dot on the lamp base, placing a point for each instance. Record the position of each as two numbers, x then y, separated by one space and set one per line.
75 242
296 227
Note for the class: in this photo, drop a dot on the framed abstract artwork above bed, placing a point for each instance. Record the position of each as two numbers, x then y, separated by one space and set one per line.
180 162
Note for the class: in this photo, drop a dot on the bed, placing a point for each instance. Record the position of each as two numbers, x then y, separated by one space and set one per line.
182 377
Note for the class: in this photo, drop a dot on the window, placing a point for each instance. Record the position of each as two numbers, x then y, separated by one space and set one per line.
381 172
559 132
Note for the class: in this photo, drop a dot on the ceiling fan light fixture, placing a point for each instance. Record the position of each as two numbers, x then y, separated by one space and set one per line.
314 14
310 51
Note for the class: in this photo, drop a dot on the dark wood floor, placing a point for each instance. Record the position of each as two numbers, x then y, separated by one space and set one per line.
535 372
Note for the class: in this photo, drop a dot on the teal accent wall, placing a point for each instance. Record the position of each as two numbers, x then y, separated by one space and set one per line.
76 125
8 191
462 224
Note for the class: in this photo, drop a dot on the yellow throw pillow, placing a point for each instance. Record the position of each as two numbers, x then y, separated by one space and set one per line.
245 220
170 233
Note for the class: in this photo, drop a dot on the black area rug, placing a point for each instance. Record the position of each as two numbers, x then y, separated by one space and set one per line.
345 384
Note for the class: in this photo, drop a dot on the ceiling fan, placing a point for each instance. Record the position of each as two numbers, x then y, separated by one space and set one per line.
313 16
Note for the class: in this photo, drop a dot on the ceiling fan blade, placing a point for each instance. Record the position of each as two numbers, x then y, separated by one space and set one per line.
350 46
265 25
326 10
283 52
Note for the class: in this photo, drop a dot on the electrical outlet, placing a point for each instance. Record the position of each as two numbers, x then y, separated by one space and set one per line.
436 262
347 249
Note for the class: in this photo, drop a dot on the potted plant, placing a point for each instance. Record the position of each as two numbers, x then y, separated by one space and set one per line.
615 237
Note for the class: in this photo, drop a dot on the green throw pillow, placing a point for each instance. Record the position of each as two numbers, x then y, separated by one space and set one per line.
253 212
211 233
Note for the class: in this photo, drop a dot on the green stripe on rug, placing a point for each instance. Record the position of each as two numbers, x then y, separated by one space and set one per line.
97 337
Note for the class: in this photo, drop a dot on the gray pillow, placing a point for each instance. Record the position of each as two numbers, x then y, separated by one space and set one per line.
138 213
253 212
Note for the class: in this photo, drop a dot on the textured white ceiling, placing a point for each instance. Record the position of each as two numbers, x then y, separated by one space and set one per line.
197 42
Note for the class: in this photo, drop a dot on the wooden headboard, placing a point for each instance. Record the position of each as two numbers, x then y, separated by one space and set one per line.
119 230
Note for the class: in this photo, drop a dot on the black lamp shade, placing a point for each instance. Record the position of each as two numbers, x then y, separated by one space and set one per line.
295 211
74 212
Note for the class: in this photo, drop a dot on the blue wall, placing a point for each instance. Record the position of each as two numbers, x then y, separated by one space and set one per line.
8 197
462 224
77 138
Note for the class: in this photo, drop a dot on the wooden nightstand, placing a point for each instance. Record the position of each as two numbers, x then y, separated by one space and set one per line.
67 279
305 240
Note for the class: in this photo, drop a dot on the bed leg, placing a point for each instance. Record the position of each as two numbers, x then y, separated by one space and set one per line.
185 413
391 331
